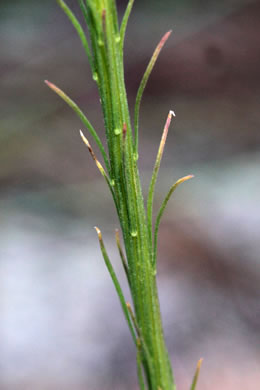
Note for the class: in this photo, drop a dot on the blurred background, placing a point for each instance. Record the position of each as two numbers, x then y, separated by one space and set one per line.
61 322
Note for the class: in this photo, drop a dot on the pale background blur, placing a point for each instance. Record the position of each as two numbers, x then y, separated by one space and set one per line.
61 322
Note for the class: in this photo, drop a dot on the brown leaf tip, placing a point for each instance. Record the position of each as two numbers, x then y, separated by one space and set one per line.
98 232
199 363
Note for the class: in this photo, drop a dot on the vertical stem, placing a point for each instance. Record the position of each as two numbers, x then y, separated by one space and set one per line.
108 72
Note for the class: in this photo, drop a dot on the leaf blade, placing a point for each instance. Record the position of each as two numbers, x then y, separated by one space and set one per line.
143 85
196 375
162 208
125 22
116 284
78 28
83 118
155 174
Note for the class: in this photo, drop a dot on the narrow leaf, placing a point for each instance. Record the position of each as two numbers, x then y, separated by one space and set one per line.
98 164
162 208
124 23
155 174
84 10
100 167
78 28
195 378
140 369
143 85
122 256
116 284
83 118
141 344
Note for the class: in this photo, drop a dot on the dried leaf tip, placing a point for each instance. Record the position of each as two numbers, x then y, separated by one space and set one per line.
199 363
51 85
183 179
196 375
84 139
164 38
56 89
98 233
90 149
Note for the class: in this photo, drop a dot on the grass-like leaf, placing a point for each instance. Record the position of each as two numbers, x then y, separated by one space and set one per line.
83 118
143 85
155 174
140 369
161 211
196 375
100 168
124 23
83 9
141 345
122 256
116 284
98 164
78 28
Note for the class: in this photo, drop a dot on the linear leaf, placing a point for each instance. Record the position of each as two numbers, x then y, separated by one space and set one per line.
78 28
98 164
122 256
124 23
162 208
195 378
83 118
100 168
140 369
141 344
143 85
155 174
116 284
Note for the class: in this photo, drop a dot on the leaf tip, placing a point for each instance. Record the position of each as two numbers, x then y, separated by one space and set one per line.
98 233
48 83
183 179
199 363
53 87
84 139
165 37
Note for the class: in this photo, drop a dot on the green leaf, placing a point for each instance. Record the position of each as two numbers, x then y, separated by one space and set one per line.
141 345
143 85
122 256
116 284
195 378
140 369
83 118
124 23
78 28
162 208
155 175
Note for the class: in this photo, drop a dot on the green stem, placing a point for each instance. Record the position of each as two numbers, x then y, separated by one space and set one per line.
106 59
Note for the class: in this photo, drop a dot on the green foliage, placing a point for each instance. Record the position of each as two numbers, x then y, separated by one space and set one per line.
122 176
196 376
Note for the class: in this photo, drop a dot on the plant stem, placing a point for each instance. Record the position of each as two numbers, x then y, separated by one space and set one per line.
108 64
105 55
